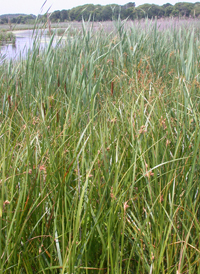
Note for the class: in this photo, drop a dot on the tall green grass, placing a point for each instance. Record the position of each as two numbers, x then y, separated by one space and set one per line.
99 143
6 37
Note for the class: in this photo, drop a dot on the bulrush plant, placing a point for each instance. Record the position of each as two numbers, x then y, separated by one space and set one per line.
99 167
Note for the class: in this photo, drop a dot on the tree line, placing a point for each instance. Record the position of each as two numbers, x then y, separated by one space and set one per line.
112 12
17 19
129 10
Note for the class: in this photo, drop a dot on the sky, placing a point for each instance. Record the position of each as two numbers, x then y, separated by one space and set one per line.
34 6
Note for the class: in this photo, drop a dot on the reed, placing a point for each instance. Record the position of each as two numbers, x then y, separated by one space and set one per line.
99 144
7 38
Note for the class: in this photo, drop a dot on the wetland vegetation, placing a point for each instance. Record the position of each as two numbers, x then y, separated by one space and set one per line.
99 144
6 37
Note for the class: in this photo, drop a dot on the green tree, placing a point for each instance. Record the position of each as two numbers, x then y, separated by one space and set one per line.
167 5
107 13
55 16
195 12
168 10
13 20
64 15
175 12
128 10
98 13
21 20
150 11
157 11
184 8
4 20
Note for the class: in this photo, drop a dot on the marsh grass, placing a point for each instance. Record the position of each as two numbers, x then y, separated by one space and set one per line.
7 38
99 143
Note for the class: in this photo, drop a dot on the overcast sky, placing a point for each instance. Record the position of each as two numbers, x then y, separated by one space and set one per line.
34 7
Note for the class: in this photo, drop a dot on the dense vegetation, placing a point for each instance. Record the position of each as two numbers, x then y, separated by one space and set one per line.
6 37
17 19
99 144
110 12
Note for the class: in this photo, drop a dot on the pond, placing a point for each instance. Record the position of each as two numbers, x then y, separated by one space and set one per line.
24 42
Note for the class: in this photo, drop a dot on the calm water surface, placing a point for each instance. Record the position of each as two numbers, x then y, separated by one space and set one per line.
24 42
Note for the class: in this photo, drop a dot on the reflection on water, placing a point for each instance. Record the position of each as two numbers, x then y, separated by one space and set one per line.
24 42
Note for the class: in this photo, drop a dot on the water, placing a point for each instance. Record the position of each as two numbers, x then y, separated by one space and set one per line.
24 42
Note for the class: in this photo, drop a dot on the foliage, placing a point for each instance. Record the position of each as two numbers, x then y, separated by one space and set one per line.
7 37
17 19
110 12
99 143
